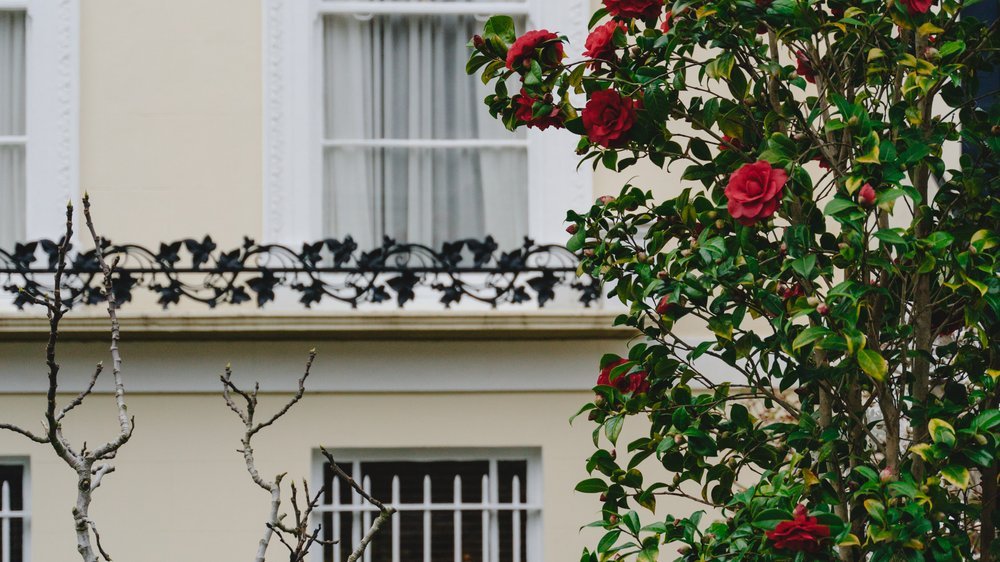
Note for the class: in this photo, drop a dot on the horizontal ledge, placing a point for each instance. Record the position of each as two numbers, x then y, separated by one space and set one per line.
356 508
484 9
424 143
12 140
352 325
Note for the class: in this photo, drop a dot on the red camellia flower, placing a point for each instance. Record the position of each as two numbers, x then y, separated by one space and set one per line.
527 47
608 117
801 534
525 112
803 68
601 41
629 9
917 6
635 383
867 195
665 26
754 192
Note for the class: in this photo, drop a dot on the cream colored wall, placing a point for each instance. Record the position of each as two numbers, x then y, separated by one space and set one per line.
181 491
171 117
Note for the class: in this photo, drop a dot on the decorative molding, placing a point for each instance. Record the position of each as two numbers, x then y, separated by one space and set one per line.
532 325
275 22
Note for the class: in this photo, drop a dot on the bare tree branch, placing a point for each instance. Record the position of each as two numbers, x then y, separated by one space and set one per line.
385 512
300 538
80 397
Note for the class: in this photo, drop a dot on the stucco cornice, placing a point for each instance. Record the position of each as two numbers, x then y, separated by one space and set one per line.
486 325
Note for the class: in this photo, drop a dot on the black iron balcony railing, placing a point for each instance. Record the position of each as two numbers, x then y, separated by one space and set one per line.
326 270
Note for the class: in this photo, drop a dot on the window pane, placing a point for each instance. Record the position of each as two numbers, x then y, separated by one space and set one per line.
429 195
12 477
12 123
12 73
403 77
12 193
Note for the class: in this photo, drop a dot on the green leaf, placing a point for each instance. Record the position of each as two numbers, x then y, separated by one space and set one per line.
613 427
876 509
631 520
891 236
809 335
869 149
592 486
576 242
598 16
804 266
941 432
986 420
502 27
769 518
839 204
957 475
608 541
873 364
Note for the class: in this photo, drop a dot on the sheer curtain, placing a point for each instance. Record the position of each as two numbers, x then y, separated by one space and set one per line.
402 77
12 125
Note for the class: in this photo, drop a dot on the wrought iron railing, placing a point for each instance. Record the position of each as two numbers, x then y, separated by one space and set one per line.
337 270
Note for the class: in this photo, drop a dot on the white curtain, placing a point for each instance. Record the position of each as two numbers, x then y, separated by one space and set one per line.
12 124
403 77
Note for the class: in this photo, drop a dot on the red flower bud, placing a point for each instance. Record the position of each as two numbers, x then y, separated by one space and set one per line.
478 41
822 308
613 519
572 229
664 306
804 67
867 195
728 141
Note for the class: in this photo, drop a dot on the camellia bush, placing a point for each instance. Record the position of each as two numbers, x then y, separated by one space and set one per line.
837 229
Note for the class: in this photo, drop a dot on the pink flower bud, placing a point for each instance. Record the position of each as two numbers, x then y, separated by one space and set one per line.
605 199
822 308
571 229
867 195
887 475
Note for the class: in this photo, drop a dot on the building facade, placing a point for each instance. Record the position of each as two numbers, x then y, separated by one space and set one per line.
287 122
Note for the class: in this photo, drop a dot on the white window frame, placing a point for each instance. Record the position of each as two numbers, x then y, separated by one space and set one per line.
6 514
533 492
52 121
293 115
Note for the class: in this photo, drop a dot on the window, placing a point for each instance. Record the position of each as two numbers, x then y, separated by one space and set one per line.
13 512
409 149
38 116
13 134
372 127
461 506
